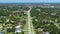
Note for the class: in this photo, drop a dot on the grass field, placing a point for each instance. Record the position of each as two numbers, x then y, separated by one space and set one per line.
57 24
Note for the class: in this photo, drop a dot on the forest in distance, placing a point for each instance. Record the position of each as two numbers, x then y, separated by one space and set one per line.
29 19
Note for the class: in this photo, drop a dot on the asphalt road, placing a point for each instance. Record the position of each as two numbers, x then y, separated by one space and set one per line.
29 22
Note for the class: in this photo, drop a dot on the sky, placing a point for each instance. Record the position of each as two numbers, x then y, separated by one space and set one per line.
29 1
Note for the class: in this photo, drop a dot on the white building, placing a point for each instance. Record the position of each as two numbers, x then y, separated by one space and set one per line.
47 33
18 29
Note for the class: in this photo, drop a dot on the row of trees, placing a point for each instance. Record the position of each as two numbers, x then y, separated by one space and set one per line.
8 16
41 19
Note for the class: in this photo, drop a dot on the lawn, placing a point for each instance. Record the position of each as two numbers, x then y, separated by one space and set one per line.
25 29
57 24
